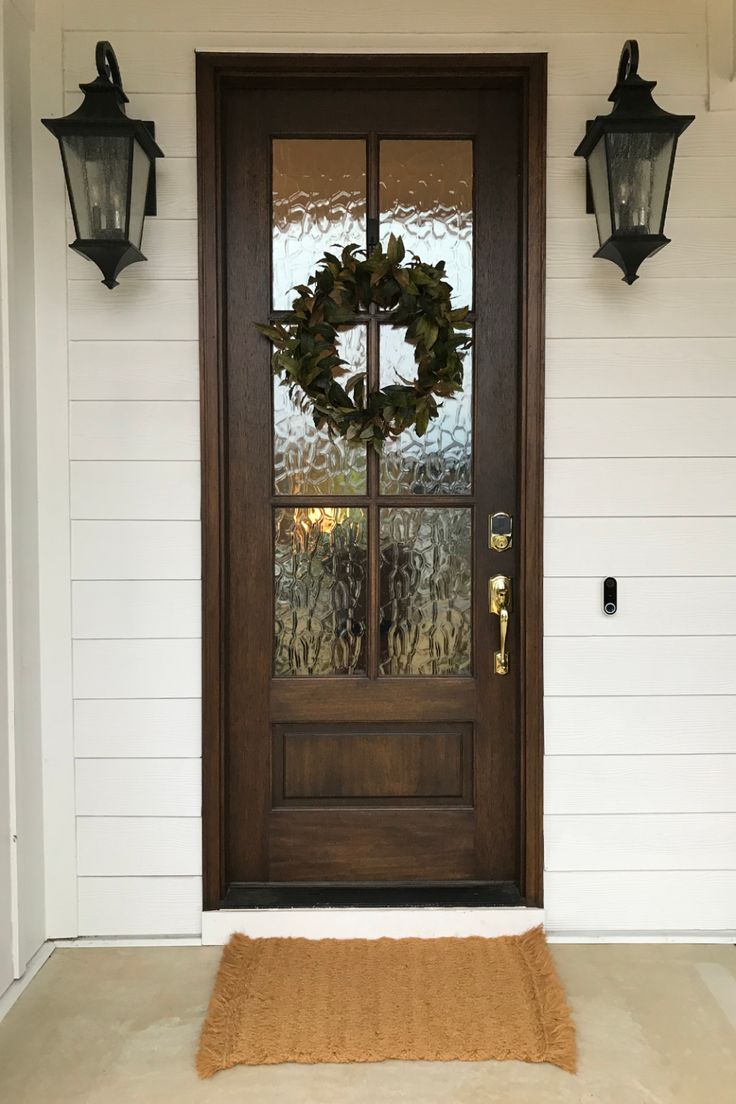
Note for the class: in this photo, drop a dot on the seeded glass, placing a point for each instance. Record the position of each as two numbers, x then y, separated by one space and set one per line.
138 190
427 198
306 460
425 591
98 177
318 205
441 461
639 166
320 591
598 169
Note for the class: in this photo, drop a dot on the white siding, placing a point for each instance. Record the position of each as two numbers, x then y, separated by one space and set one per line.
641 480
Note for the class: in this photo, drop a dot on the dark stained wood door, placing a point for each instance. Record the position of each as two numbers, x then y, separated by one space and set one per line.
366 738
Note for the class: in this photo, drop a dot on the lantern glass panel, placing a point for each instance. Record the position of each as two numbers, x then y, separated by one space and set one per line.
97 169
138 190
598 170
639 168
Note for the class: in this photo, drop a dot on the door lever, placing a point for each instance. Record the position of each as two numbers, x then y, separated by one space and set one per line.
499 603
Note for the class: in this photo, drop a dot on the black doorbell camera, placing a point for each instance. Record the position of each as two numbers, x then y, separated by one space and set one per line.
610 596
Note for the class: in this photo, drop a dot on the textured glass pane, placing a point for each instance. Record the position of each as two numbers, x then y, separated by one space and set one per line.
306 460
598 169
639 167
318 205
98 175
427 197
441 461
425 591
138 190
320 591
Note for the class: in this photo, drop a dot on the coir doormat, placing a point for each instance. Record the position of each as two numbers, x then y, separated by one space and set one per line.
363 1000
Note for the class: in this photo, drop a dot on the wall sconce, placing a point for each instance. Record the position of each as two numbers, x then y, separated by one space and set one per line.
109 165
630 155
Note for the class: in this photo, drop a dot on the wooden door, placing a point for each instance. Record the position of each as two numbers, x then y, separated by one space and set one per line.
365 739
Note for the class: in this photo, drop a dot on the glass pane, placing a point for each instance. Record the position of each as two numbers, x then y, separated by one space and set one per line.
306 460
425 591
598 169
138 189
318 205
441 461
320 591
640 165
98 176
427 198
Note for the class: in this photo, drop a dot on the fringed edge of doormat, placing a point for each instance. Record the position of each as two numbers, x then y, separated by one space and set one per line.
221 1025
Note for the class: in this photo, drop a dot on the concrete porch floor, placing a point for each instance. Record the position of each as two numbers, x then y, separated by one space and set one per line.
656 1025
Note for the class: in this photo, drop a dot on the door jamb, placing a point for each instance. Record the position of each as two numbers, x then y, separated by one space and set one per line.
214 72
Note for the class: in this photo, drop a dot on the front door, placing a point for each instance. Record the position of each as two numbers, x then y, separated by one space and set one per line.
370 736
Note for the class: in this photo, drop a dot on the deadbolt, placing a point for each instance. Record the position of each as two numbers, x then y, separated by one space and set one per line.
500 532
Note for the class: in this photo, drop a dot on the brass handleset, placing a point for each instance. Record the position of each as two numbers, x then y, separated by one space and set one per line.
500 539
499 603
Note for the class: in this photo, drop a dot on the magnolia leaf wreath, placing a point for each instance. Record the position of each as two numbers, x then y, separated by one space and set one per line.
306 352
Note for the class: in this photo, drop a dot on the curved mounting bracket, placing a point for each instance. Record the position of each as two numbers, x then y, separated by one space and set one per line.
628 65
107 64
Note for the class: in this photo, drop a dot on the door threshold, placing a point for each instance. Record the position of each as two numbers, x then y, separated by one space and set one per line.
427 922
365 895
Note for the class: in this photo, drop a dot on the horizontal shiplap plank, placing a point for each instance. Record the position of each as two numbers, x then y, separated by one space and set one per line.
670 841
176 194
164 608
170 247
138 787
140 906
651 308
640 427
646 901
713 133
637 725
128 846
704 247
144 728
600 546
660 367
640 784
135 550
144 309
129 370
128 490
581 62
646 607
581 666
139 310
137 668
640 487
134 431
702 187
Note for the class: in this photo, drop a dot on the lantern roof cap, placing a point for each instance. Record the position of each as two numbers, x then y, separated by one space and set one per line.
102 111
634 106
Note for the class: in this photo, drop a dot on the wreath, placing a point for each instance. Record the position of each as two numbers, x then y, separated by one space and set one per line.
306 344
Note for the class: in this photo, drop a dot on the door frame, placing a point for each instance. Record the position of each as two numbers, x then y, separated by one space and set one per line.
216 71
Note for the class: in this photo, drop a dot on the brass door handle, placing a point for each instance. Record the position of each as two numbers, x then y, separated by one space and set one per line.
499 603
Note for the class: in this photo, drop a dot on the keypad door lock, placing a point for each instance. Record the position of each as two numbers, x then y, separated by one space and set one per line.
500 532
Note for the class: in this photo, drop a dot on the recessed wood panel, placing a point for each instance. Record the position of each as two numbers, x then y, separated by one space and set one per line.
372 845
353 763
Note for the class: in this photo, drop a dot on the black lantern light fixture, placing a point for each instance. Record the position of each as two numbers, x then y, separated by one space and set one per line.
109 164
630 155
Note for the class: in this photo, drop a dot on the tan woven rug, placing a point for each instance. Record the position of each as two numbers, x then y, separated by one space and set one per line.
362 1000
